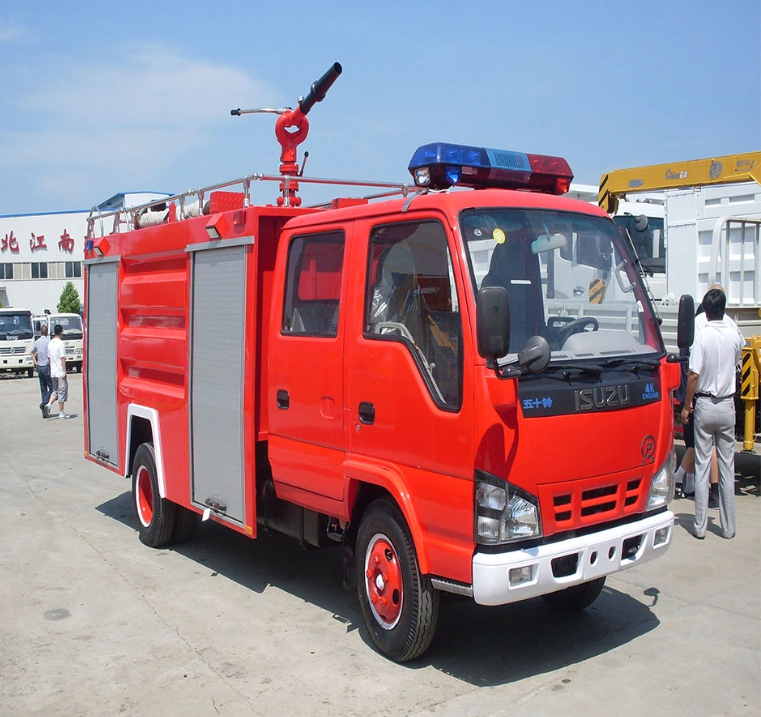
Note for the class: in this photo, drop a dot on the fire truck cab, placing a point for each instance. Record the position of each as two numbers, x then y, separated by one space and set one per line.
467 389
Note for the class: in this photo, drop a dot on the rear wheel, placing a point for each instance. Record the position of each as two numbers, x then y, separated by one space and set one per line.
576 598
399 605
155 515
185 521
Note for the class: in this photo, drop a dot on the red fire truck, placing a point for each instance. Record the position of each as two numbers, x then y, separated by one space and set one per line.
467 389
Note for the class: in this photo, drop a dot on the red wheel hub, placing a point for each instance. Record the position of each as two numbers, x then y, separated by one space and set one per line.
384 581
144 496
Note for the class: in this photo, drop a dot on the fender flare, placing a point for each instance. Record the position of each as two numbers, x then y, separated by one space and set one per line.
152 416
390 478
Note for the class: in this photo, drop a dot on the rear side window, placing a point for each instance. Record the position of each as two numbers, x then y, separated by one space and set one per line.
313 286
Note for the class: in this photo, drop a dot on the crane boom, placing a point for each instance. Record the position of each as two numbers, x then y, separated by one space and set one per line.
695 173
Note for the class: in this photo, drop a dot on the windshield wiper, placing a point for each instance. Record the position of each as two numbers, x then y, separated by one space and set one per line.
635 364
564 372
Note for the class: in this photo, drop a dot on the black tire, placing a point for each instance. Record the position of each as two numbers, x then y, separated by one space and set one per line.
155 515
576 598
30 373
400 610
185 521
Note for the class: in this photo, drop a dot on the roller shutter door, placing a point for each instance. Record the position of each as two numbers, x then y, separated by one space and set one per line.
100 359
216 379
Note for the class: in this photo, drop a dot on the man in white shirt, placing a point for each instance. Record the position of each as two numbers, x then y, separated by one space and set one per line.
57 357
715 353
685 474
42 363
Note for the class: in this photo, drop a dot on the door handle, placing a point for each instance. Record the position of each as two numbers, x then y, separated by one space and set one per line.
366 413
283 399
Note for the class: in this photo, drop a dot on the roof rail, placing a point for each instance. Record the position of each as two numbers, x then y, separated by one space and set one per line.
127 219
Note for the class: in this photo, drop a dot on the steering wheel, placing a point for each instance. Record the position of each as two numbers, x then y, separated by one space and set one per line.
576 327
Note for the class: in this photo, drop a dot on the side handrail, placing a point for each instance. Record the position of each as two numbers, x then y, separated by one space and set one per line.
720 251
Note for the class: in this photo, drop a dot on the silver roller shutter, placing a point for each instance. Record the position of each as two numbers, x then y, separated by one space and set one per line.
216 379
100 359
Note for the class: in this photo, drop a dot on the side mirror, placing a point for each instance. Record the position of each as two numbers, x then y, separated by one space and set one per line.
641 223
493 321
685 332
535 355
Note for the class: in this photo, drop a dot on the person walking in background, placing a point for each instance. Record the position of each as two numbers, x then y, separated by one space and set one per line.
57 356
42 362
711 382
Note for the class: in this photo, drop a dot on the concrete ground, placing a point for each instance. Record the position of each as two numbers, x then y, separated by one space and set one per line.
94 623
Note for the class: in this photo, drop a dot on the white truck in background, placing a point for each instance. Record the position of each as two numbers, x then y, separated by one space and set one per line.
16 339
73 335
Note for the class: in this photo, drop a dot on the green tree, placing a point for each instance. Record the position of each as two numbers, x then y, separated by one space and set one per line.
69 302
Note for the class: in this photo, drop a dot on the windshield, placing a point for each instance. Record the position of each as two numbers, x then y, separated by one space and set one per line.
568 278
647 239
15 326
71 325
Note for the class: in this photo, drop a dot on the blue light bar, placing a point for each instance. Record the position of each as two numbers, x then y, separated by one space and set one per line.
441 165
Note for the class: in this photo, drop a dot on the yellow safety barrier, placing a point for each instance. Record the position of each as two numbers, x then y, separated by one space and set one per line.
749 380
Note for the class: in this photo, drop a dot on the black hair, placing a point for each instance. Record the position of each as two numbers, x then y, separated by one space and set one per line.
58 330
714 303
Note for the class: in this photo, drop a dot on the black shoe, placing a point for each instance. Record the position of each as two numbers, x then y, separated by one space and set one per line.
45 411
713 501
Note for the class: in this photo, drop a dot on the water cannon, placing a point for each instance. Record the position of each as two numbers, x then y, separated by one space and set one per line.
292 128
320 88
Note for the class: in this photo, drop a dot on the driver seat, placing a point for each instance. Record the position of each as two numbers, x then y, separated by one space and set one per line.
398 294
518 272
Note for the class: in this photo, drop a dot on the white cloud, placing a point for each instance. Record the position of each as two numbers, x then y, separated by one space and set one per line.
131 119
11 31
154 86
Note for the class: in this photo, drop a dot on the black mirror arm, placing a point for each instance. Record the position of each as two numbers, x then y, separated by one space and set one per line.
675 358
506 371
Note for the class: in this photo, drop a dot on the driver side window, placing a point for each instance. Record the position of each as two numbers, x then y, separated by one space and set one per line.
411 298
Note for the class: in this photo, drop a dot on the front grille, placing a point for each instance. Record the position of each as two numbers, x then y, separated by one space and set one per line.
11 350
573 505
598 500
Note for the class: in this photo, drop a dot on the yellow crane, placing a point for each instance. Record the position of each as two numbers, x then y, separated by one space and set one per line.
694 173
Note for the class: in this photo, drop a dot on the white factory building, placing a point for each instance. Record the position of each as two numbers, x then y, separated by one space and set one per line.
39 253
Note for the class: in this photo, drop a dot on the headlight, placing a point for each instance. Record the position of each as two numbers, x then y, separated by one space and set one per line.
504 512
662 487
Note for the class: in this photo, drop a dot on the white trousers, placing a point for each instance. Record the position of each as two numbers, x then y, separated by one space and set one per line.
715 423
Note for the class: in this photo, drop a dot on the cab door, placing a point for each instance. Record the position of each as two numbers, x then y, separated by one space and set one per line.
409 395
306 369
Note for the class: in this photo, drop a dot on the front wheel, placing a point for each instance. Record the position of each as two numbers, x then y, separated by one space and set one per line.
399 605
576 598
155 515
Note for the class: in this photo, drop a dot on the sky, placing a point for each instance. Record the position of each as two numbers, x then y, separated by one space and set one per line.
102 98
